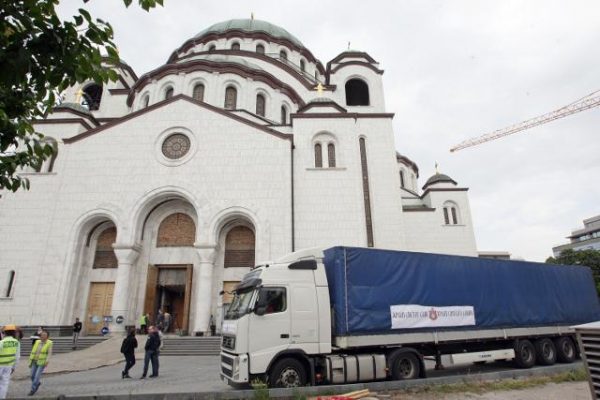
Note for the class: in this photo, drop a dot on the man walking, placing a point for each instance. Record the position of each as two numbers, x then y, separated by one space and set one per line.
10 350
152 350
76 329
39 359
128 349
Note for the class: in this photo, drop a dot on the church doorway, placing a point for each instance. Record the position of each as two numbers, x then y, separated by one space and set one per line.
169 288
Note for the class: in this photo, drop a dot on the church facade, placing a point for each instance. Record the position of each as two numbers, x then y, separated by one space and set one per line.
166 188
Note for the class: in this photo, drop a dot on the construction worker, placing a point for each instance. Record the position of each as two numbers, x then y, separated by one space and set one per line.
10 350
38 360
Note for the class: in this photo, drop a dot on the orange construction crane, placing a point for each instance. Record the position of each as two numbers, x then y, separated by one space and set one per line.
585 103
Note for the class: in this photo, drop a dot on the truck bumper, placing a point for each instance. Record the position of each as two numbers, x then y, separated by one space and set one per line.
234 368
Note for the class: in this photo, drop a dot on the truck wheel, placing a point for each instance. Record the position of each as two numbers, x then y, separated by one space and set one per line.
405 366
524 354
287 373
545 352
566 352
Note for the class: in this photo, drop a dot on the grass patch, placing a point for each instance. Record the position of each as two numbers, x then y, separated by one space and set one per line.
502 385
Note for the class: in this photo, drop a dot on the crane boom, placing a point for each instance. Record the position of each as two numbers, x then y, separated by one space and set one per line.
585 103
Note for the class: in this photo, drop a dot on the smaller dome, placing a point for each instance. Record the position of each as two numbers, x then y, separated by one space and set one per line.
439 178
73 106
322 100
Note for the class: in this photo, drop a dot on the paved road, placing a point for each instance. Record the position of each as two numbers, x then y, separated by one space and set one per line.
177 374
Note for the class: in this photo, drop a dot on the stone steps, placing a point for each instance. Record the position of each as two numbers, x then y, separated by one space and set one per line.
173 346
191 346
63 344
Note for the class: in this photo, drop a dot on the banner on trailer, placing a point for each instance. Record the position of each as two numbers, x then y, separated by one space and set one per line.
416 316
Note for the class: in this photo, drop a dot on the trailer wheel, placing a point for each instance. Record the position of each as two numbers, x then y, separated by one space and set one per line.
287 373
566 352
524 354
405 365
545 352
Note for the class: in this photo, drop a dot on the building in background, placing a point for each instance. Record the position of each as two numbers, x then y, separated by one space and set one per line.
587 238
166 188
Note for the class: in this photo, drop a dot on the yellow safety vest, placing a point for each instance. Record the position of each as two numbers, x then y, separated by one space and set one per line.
43 358
143 320
8 352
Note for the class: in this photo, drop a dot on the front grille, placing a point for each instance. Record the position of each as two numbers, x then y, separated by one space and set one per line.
228 342
227 360
226 372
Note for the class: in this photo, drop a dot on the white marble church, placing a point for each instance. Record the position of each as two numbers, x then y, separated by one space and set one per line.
167 187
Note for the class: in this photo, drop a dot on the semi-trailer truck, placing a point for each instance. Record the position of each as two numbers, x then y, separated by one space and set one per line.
348 314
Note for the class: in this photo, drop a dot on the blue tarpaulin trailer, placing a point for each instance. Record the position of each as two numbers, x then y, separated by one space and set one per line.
369 287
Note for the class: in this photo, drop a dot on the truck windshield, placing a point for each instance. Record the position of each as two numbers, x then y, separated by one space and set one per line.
240 305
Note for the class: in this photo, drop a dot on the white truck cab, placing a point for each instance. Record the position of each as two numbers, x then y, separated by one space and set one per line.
280 311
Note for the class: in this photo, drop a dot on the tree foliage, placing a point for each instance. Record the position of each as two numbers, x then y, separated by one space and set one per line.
589 258
41 56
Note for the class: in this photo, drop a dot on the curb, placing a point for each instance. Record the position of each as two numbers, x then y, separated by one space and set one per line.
331 389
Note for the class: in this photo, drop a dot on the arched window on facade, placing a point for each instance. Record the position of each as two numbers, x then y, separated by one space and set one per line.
451 214
357 93
11 284
283 115
230 98
260 49
402 178
260 105
104 256
235 46
145 101
48 164
92 95
198 92
176 230
331 155
168 93
239 248
212 48
318 156
302 66
283 55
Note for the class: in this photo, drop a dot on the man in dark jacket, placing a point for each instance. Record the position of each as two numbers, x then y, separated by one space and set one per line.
152 348
128 349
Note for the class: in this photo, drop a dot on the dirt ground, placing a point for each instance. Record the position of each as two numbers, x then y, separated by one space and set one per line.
552 391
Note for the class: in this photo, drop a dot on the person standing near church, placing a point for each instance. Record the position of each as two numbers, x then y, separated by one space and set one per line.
167 318
143 323
39 359
10 351
76 329
152 349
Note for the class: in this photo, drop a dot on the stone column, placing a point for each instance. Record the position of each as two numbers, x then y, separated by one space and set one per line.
202 283
124 295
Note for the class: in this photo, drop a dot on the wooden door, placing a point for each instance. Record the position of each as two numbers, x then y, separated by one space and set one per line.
150 301
99 304
187 298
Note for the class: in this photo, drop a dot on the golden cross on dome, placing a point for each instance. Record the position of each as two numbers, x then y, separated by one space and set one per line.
320 89
437 170
78 95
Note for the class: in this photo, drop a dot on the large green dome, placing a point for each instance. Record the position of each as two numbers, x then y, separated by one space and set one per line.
250 25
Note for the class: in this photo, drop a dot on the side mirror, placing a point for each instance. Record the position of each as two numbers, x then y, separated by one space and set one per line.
260 310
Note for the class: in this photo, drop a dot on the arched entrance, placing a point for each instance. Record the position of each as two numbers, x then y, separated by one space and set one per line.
237 242
167 258
95 274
